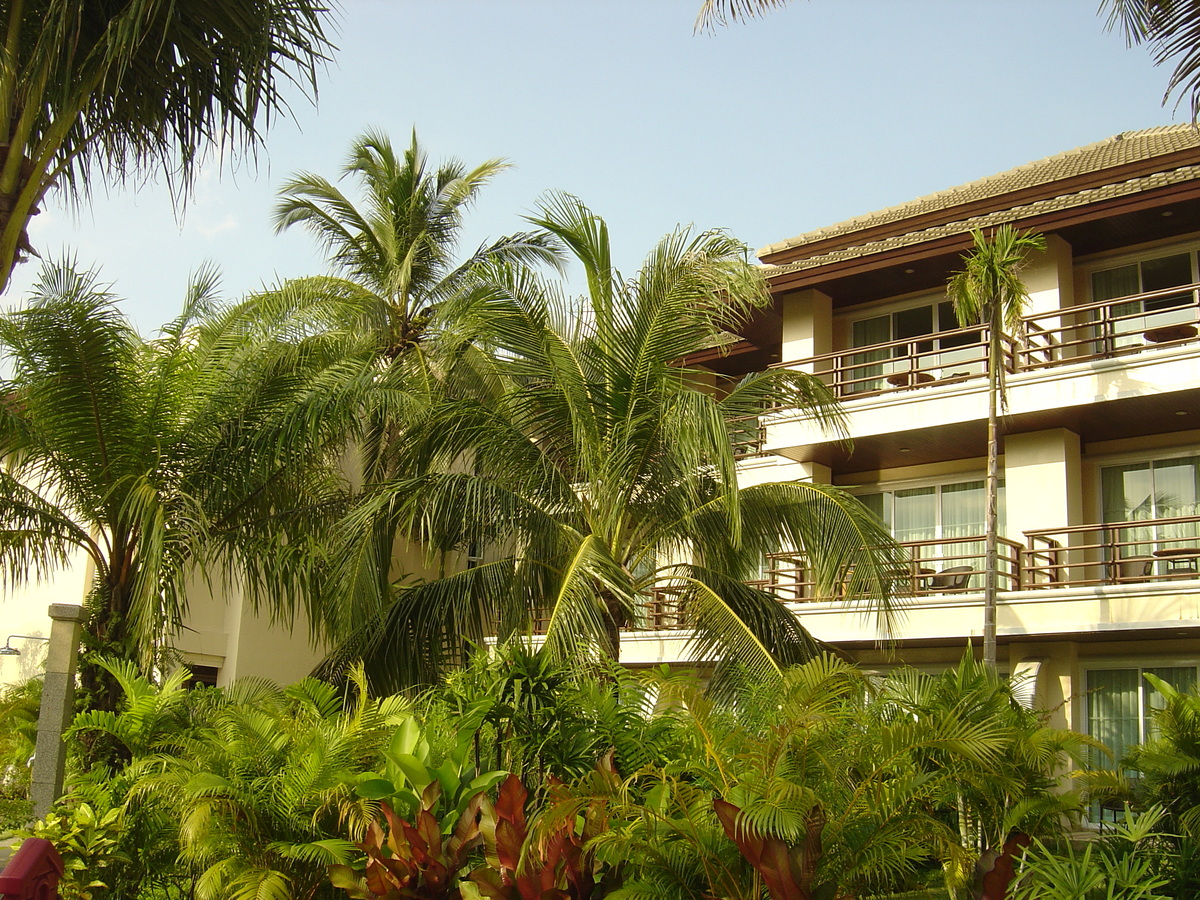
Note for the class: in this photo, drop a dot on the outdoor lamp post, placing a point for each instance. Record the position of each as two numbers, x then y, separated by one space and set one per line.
9 650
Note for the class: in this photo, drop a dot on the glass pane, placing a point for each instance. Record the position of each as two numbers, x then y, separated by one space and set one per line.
1182 678
1175 495
1113 717
874 502
1111 283
915 517
1175 484
1167 272
910 323
865 372
866 332
947 321
964 508
1128 497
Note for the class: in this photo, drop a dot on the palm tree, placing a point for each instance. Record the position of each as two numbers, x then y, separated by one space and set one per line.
156 458
397 288
1172 29
133 83
393 252
989 291
591 467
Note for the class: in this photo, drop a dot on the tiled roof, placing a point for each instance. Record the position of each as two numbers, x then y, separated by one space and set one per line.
1124 148
1066 201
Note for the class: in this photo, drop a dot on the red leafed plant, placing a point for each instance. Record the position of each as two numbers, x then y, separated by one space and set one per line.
788 870
554 867
413 860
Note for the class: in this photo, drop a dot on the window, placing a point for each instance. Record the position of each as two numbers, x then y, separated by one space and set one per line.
1154 320
869 370
1146 277
202 676
942 514
1121 704
1149 491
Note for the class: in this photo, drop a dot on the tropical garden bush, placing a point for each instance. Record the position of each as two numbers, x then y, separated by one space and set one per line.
522 777
19 706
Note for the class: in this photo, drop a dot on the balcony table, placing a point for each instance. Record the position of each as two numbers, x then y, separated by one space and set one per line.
1164 334
904 379
1179 559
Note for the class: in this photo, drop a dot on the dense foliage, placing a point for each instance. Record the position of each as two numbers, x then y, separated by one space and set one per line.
522 779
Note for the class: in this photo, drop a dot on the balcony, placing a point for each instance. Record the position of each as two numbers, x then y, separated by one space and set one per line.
1111 328
1149 551
948 356
1108 329
1143 551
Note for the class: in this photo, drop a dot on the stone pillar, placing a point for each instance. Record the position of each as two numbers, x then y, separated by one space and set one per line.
58 706
807 326
1042 481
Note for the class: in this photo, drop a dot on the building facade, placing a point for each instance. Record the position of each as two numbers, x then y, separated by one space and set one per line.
1100 551
1100 466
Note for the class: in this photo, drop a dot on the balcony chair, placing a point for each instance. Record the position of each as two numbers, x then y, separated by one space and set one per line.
1137 568
951 580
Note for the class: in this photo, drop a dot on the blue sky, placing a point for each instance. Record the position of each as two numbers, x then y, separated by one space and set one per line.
820 111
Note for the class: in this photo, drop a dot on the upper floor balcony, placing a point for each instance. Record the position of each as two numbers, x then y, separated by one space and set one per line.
1108 329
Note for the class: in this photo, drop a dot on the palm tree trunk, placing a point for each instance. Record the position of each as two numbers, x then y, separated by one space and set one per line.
992 560
612 626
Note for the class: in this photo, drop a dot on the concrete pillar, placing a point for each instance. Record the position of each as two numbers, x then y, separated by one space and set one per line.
1042 481
1051 284
58 706
1050 277
807 326
815 472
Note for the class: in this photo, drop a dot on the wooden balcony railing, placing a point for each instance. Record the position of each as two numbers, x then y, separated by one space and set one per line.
749 435
1143 551
1148 550
947 356
1111 328
1102 330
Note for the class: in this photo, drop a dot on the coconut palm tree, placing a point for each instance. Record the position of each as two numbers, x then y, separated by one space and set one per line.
989 291
591 467
134 83
392 250
399 291
157 458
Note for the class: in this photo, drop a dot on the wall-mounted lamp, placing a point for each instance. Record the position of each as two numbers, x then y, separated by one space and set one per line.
9 650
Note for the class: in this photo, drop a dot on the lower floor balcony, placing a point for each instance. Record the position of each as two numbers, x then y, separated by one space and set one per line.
1071 559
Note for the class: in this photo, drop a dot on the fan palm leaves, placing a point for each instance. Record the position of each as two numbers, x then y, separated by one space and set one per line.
589 466
135 83
156 459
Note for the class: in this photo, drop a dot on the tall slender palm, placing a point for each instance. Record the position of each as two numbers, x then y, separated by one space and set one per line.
396 285
131 83
601 469
989 291
155 458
